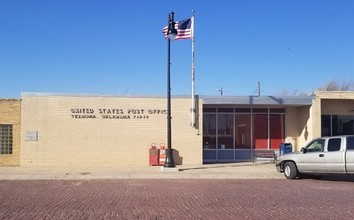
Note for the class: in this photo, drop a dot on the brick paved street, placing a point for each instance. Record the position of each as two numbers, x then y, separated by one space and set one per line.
177 199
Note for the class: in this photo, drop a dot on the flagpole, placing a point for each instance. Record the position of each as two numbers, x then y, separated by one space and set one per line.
193 110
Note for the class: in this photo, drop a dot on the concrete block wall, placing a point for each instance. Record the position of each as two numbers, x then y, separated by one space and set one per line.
10 113
63 130
337 107
337 95
315 117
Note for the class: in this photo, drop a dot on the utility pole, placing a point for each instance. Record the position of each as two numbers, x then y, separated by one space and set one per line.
221 90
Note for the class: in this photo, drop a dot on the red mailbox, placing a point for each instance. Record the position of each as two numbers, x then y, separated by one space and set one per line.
162 155
154 155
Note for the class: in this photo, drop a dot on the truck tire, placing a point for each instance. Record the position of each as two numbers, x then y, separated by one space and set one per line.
290 170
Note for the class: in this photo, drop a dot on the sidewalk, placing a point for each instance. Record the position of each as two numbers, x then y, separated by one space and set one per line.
210 171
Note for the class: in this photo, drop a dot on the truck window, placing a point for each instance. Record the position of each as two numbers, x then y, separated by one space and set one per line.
350 143
316 146
334 144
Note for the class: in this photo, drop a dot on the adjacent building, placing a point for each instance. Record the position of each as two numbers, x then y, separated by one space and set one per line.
10 132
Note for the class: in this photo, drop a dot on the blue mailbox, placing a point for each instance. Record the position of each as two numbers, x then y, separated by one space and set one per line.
285 148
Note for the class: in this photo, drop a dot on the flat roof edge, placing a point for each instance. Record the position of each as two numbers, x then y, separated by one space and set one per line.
259 100
43 94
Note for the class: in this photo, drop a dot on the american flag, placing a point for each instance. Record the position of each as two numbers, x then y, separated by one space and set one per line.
183 29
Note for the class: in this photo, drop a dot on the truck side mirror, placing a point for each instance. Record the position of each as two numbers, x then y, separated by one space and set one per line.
303 150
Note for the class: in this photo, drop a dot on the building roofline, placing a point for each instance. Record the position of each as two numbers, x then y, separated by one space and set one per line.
44 94
207 100
258 100
10 99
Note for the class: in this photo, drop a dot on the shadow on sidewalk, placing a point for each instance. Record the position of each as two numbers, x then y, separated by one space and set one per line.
224 165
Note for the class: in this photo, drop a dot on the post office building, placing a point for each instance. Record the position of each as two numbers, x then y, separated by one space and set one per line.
44 129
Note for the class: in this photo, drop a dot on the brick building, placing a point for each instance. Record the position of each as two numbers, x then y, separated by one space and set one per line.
89 130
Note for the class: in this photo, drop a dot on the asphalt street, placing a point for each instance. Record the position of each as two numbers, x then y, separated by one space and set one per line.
177 199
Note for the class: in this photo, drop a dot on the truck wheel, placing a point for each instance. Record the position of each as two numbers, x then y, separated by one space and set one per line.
290 170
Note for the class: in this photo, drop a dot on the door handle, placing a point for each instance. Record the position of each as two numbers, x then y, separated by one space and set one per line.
321 155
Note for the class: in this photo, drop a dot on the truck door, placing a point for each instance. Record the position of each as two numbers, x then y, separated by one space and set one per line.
313 159
350 154
334 156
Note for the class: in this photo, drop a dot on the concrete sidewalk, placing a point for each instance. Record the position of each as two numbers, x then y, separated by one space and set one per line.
210 171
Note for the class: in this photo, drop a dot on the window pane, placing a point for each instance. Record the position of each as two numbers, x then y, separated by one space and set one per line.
209 109
209 130
225 131
326 125
350 143
209 124
225 142
209 142
334 144
231 110
277 130
316 146
225 124
259 110
243 131
260 131
241 110
277 110
5 139
342 124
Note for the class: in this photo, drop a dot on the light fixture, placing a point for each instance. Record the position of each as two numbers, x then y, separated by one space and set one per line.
172 31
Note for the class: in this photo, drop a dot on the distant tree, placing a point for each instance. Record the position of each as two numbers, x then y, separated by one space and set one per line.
335 85
332 85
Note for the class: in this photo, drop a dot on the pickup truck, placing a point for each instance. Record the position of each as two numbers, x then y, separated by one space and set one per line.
324 155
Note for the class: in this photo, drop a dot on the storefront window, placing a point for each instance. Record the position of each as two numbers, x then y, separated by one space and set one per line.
241 129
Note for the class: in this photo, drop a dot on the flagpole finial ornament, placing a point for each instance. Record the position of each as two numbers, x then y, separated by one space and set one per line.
171 16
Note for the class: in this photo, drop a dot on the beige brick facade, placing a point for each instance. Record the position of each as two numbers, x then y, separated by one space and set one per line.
315 119
10 114
297 123
59 130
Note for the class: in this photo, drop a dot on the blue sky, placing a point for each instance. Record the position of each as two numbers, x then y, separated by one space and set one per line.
116 46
